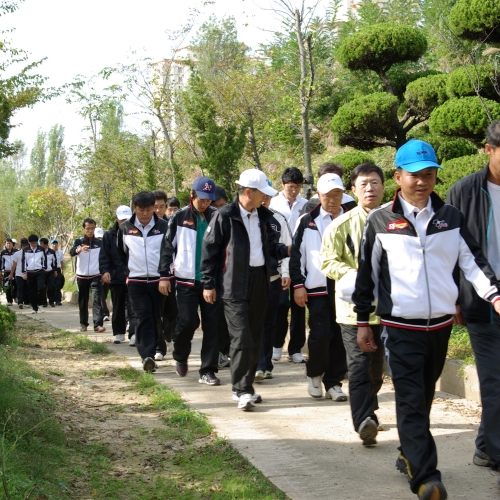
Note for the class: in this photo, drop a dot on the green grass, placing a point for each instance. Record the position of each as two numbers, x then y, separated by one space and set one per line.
459 347
96 373
62 339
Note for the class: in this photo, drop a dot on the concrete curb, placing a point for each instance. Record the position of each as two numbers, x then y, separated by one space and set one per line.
460 379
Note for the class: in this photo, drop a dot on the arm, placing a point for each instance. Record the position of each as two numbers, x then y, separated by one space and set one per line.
105 258
75 249
168 249
297 267
214 241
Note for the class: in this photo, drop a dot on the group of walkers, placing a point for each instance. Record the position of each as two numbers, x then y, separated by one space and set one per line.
378 282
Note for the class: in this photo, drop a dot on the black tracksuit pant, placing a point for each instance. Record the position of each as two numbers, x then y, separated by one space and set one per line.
23 296
169 317
36 288
297 323
188 300
147 303
104 296
266 350
10 293
84 288
485 340
50 286
245 321
366 371
58 285
416 359
119 300
327 356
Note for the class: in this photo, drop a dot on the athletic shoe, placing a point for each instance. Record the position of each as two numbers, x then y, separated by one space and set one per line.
149 365
99 329
268 375
51 304
209 378
368 432
106 318
297 358
314 387
277 353
256 398
181 369
131 341
433 490
335 394
245 402
9 303
402 464
119 338
482 459
42 309
259 375
58 304
21 306
34 312
83 328
223 361
158 356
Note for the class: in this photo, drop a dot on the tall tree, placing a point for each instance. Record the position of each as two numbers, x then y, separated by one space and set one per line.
38 160
56 160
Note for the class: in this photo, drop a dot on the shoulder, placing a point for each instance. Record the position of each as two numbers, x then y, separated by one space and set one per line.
470 181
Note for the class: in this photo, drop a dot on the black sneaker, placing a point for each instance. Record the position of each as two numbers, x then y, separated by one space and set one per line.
149 365
58 304
482 459
83 328
181 369
209 379
51 304
402 464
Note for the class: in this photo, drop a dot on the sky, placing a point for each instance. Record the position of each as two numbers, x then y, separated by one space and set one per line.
81 38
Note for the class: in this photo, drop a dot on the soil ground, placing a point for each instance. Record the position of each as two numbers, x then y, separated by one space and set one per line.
306 447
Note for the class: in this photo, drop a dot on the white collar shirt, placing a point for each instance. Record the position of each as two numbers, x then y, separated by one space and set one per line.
144 229
419 218
252 225
291 212
325 218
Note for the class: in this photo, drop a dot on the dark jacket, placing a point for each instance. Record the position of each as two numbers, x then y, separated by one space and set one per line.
110 260
226 246
314 202
470 195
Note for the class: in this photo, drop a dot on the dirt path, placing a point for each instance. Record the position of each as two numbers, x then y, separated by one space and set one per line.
308 447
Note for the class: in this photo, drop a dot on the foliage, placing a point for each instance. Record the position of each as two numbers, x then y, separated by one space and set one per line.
453 147
56 160
464 117
38 159
485 77
424 95
366 122
400 78
380 46
350 161
477 20
459 346
7 322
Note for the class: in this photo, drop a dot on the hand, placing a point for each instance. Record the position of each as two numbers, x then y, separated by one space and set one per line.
290 251
55 274
285 283
210 296
496 306
9 277
164 287
84 248
365 339
300 296
458 317
106 278
25 276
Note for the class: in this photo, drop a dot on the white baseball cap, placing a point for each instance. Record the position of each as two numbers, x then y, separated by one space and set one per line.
123 212
328 182
99 233
14 240
256 179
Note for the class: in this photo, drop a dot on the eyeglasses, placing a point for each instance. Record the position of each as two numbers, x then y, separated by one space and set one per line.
364 185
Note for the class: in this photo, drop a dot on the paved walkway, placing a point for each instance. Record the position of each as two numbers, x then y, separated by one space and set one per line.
308 447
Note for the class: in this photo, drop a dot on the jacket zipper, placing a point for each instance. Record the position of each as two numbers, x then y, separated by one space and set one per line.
428 291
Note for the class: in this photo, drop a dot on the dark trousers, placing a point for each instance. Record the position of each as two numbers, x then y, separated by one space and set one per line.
104 296
188 300
327 356
36 289
23 296
50 287
10 292
58 286
365 371
266 351
147 303
297 323
84 288
485 340
119 294
169 317
416 359
245 321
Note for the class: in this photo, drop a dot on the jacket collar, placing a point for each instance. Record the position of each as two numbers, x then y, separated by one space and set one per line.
397 207
233 211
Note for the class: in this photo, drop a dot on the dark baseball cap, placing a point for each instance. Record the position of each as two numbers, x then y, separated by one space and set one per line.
204 188
24 241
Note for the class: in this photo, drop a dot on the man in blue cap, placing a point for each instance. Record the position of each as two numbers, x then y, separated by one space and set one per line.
180 259
410 249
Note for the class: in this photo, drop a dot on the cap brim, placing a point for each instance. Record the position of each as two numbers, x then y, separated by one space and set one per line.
268 190
202 195
419 165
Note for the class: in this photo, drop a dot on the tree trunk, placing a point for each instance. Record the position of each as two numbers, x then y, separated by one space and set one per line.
253 140
170 151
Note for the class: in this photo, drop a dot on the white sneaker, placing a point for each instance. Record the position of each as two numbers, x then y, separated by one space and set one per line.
335 394
158 356
131 342
256 398
245 402
119 338
42 309
33 312
297 358
106 318
259 375
277 352
268 375
314 387
368 432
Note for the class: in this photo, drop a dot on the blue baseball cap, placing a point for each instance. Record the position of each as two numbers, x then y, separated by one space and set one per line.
54 241
205 188
416 155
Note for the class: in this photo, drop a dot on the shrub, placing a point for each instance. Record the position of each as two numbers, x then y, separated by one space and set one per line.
459 82
350 161
7 322
448 148
425 94
476 20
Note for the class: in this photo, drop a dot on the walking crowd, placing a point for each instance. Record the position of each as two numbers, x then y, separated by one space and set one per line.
378 281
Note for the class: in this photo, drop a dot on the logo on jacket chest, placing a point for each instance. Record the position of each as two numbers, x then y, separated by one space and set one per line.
312 225
188 223
398 225
133 231
440 223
